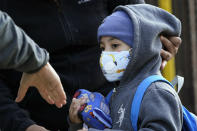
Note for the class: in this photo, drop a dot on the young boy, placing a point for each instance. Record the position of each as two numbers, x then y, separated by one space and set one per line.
131 48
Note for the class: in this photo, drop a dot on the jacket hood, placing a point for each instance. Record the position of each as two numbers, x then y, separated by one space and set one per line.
149 23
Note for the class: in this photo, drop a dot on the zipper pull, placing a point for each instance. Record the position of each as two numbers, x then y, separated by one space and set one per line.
114 90
57 2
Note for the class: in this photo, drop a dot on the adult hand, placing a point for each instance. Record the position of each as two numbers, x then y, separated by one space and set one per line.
74 108
36 128
171 46
48 84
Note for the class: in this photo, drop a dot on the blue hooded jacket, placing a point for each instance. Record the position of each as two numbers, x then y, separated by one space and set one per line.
161 107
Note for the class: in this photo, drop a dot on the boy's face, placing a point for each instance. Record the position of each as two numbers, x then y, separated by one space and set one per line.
114 57
108 43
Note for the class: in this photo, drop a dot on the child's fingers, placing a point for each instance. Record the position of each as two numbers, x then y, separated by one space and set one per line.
83 100
75 106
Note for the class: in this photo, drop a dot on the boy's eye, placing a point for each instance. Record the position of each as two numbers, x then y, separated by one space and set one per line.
114 46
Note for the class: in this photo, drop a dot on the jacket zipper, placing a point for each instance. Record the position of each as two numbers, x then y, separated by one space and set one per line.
65 24
63 19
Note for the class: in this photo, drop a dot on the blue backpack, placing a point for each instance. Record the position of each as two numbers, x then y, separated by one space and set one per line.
189 119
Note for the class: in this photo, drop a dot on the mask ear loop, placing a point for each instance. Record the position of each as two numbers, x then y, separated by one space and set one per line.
130 51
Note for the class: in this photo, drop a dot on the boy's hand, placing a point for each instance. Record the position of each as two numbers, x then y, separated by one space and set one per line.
171 46
74 109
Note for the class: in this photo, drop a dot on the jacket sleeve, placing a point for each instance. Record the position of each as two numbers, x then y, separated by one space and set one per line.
75 127
12 117
17 50
91 129
161 109
111 4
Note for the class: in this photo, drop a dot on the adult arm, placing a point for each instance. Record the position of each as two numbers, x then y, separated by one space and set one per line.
13 118
19 52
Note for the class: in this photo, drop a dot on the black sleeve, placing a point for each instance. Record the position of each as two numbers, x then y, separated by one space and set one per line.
17 50
73 126
12 117
113 3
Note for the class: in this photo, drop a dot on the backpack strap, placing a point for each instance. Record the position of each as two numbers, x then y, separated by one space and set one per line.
135 108
108 97
189 120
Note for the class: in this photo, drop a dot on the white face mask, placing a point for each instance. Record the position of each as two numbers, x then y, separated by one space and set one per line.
113 64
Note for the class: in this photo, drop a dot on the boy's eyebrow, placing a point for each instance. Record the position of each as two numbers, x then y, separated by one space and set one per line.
111 39
108 40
